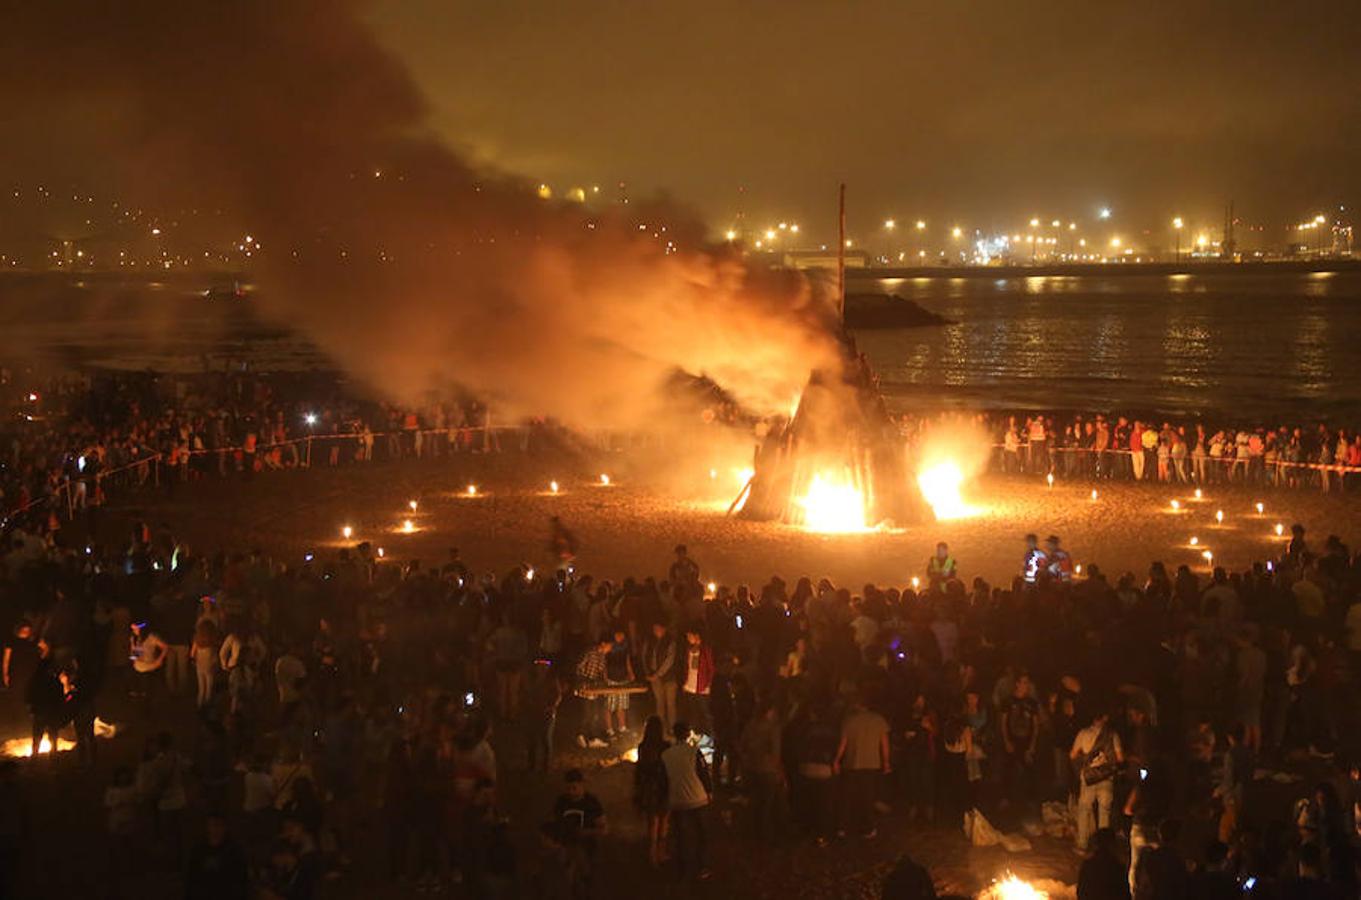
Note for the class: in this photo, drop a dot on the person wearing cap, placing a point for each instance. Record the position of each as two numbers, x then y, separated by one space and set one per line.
1060 565
941 568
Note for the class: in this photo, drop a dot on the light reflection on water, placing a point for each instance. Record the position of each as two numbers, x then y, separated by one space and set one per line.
1253 345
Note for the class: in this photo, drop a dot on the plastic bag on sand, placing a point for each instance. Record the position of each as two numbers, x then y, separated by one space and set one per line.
980 833
1058 820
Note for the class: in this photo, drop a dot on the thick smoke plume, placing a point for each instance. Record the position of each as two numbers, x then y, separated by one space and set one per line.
414 271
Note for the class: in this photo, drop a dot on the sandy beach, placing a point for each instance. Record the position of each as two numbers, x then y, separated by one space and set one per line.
629 527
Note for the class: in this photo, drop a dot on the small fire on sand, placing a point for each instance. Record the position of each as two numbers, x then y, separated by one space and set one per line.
1013 888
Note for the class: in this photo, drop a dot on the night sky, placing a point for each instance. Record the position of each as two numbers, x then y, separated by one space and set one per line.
981 114
977 112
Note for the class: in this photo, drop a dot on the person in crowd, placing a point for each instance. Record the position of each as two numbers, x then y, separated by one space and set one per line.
1161 871
217 868
659 670
1034 561
1059 563
148 653
204 652
689 792
581 811
651 790
862 759
696 678
1020 727
548 687
508 647
941 568
1098 757
619 676
591 672
1102 875
763 771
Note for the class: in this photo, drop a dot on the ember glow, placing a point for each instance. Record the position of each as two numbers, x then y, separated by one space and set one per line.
833 505
940 485
22 748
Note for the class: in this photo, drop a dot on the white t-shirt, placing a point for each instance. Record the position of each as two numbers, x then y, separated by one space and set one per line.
1086 742
684 788
149 653
692 671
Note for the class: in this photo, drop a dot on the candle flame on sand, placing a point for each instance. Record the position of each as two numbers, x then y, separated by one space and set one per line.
553 486
604 480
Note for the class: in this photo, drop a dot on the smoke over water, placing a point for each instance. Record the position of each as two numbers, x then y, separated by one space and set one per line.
411 269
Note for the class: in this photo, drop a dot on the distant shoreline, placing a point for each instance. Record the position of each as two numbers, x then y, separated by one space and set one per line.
1106 270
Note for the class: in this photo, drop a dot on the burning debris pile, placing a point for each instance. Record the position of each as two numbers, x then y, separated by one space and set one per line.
837 465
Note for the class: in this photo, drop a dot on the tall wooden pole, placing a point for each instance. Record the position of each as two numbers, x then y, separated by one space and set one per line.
841 260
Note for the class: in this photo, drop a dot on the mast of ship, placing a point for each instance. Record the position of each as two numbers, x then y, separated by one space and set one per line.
841 259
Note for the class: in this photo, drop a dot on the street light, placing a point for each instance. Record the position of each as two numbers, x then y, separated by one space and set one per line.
1176 224
889 224
921 225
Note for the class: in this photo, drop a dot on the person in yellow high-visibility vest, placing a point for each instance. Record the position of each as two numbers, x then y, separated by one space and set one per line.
941 568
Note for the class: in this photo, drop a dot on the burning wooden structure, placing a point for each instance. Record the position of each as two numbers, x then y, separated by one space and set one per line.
838 464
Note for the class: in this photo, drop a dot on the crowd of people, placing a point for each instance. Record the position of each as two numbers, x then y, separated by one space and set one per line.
1198 735
1095 447
68 442
327 693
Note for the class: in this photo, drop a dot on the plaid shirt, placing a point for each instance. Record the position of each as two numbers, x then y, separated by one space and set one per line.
592 666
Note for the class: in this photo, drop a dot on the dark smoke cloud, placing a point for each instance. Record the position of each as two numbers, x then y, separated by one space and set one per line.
413 270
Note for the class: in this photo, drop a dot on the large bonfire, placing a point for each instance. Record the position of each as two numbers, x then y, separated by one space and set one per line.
837 465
